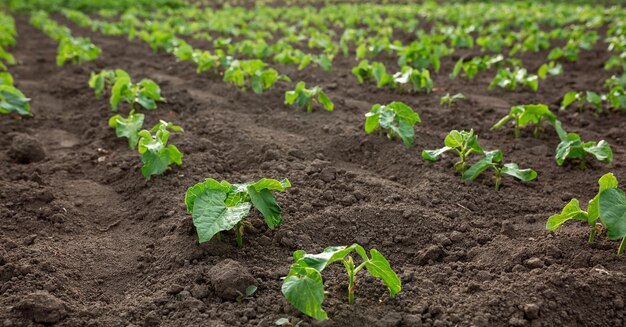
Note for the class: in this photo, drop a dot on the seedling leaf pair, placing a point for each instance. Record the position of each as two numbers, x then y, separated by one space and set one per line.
156 154
301 96
303 287
396 118
492 160
462 142
572 147
128 127
221 206
525 115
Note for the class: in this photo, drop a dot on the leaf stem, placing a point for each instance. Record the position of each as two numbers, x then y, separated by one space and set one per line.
592 235
239 234
498 178
622 247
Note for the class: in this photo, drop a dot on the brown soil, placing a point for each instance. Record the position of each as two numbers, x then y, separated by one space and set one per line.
86 241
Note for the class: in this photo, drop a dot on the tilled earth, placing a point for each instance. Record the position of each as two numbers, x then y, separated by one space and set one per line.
86 241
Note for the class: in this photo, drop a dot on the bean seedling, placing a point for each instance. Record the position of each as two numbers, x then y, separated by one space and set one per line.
608 205
303 287
492 160
156 154
302 96
128 127
396 118
448 100
13 100
527 114
572 147
462 142
221 206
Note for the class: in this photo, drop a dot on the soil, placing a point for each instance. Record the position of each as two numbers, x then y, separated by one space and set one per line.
85 240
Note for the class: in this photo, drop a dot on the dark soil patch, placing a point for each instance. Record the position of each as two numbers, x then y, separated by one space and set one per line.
86 241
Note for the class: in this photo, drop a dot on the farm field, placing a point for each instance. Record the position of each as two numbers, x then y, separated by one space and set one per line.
104 225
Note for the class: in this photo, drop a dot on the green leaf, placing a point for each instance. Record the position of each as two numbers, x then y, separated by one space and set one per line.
271 184
211 215
433 155
606 182
330 254
305 291
208 184
612 210
325 101
118 91
128 127
570 211
525 175
483 164
265 202
6 78
379 267
13 100
568 99
601 151
454 139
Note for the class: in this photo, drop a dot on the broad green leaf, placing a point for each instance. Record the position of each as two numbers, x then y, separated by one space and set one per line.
208 184
454 139
128 127
371 122
606 182
6 78
325 101
525 175
404 112
306 293
612 210
118 91
570 211
271 184
601 151
13 100
406 133
379 267
265 202
211 216
483 164
433 155
330 254
568 99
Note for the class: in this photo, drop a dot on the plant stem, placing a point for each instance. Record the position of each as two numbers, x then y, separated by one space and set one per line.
583 163
622 247
239 234
516 131
592 235
498 178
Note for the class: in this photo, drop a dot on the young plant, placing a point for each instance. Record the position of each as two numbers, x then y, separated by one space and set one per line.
13 100
302 96
363 72
581 98
527 114
462 142
221 206
303 287
552 68
492 159
448 100
509 79
253 73
396 118
156 154
572 147
145 93
128 127
608 206
413 80
104 80
247 295
78 50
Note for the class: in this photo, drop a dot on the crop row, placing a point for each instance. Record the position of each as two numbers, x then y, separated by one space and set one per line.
12 100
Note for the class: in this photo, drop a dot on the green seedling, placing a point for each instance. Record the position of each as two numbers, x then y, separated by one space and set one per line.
301 96
221 206
13 100
247 295
104 80
475 66
509 79
6 78
128 127
462 142
552 68
448 100
78 50
590 97
413 80
396 119
146 93
492 160
608 206
156 154
572 147
303 287
253 74
527 114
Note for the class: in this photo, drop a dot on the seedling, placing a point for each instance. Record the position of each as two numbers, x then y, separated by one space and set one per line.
462 142
608 206
492 160
572 147
302 96
475 66
509 79
104 80
396 118
303 287
13 100
448 100
145 93
252 73
527 114
128 127
156 154
413 80
247 295
552 68
221 206
78 50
